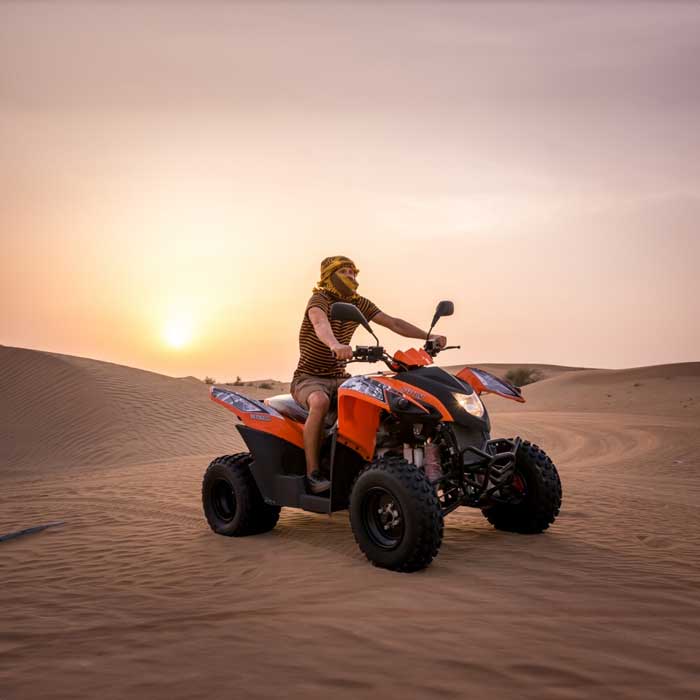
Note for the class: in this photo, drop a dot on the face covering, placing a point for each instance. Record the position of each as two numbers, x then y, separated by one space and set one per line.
344 285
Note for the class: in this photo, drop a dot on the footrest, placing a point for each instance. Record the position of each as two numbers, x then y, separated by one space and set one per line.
315 504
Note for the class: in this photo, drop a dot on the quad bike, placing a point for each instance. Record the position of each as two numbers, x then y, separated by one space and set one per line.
402 449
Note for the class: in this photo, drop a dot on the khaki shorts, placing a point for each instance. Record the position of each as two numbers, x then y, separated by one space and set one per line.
305 384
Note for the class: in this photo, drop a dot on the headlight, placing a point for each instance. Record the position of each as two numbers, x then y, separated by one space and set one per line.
471 403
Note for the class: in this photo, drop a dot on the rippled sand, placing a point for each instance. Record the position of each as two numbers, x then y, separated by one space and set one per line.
134 595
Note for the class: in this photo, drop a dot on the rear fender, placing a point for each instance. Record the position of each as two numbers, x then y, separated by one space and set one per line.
258 416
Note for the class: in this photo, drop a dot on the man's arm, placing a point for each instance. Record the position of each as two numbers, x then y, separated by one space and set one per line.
323 329
406 329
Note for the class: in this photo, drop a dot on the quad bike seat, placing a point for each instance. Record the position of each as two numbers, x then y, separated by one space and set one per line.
287 406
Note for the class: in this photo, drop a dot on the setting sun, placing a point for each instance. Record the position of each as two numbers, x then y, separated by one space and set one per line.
177 332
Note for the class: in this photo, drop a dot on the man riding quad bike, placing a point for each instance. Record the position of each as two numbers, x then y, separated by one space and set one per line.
405 448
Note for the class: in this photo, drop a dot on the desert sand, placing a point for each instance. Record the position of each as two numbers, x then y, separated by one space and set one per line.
135 596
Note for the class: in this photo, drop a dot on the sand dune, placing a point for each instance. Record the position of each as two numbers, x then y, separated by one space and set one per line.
663 389
60 411
134 596
500 369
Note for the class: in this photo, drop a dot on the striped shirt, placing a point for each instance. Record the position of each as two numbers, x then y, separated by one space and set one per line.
316 357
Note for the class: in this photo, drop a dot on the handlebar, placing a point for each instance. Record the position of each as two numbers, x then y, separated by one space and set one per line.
376 353
432 348
371 353
368 353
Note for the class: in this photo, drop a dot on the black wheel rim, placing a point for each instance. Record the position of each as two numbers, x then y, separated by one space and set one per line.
223 500
383 518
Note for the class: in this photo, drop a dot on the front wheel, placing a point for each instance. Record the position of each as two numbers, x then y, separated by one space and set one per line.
537 481
395 515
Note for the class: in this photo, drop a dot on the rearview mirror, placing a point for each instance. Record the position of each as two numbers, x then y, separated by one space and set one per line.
444 308
340 311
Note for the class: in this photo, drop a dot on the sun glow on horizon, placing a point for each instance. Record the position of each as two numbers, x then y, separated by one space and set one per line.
177 331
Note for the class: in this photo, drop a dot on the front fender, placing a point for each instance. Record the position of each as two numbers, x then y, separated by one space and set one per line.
484 382
361 401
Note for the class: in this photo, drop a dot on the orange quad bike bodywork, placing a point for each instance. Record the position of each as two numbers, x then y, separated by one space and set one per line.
359 413
413 357
358 420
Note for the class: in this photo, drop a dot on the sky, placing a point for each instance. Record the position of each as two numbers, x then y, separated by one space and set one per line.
171 176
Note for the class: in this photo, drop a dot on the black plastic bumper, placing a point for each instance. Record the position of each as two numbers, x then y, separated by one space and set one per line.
488 470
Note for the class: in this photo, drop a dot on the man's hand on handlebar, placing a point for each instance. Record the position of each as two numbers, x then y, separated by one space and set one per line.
368 353
342 352
437 343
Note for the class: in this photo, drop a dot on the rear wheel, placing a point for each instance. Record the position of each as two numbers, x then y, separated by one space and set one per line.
537 482
395 515
233 505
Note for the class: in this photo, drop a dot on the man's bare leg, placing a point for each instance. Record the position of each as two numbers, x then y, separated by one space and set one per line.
313 430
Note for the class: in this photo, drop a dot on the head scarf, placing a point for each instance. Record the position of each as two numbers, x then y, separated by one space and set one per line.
332 281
